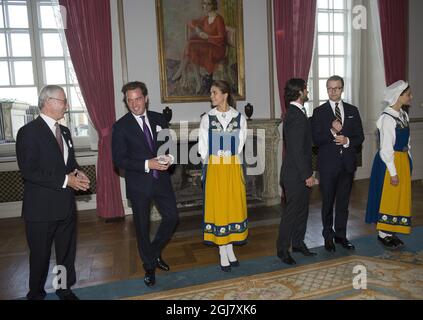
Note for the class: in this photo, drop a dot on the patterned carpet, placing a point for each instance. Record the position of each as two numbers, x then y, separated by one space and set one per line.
327 276
396 275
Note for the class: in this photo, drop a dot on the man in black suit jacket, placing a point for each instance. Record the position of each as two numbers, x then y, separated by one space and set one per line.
134 147
338 133
46 159
296 174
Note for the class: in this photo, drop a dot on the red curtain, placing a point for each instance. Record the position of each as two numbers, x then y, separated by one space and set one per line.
294 37
89 37
394 28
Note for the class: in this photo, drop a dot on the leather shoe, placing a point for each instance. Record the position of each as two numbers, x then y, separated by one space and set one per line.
234 263
149 278
398 241
389 242
286 258
329 245
162 265
66 294
345 243
226 268
304 250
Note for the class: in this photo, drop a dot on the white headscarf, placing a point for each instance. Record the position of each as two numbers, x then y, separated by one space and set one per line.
393 92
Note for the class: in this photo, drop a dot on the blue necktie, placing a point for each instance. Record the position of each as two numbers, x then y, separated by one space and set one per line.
149 138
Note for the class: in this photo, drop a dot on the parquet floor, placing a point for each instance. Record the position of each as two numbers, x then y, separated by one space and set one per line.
108 251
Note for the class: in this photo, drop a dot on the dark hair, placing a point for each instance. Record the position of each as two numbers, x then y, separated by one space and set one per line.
335 78
405 107
405 90
225 88
132 86
293 87
213 4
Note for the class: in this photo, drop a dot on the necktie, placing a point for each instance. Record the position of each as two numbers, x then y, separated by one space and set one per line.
338 113
149 138
305 111
59 136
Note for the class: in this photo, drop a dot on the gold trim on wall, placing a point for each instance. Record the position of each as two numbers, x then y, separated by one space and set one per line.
167 95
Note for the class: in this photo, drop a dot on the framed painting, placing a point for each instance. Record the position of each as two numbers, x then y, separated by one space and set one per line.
199 41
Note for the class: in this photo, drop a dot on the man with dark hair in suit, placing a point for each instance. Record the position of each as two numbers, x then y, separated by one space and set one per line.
134 147
296 173
46 159
338 133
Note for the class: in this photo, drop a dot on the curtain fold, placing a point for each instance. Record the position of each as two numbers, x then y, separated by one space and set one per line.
89 37
294 39
394 28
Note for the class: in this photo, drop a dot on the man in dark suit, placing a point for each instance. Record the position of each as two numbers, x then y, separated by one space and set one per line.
338 133
46 159
134 145
296 174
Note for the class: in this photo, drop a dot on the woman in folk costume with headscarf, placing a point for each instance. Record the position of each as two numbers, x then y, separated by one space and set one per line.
389 200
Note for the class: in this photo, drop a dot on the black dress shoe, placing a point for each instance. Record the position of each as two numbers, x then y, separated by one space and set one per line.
329 245
66 294
162 265
304 250
286 258
234 263
345 243
150 278
398 241
389 242
226 268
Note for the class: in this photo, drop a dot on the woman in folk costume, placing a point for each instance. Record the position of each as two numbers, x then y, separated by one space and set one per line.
389 200
222 135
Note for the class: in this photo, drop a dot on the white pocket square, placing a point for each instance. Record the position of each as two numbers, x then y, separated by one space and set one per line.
69 144
158 128
350 117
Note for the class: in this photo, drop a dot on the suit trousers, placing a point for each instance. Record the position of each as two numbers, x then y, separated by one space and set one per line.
165 201
293 225
335 188
40 236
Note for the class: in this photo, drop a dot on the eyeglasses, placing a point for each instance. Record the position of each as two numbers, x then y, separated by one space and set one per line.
65 101
335 89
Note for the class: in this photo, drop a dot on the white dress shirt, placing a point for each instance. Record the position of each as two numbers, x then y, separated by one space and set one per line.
51 124
139 121
341 109
301 107
224 119
386 125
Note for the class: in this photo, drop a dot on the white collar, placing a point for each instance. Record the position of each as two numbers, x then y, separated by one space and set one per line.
138 116
332 103
232 112
299 105
50 121
393 112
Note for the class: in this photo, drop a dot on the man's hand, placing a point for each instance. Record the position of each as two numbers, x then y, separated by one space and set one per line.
341 140
77 180
153 164
310 182
395 180
82 175
336 126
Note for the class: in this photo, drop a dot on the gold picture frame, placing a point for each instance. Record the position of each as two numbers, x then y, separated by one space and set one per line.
191 56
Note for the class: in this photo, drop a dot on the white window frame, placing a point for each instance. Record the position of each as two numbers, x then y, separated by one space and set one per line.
314 77
37 58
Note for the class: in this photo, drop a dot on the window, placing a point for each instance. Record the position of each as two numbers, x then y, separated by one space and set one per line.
33 54
330 55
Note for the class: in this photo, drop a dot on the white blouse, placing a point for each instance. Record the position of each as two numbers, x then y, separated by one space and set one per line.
224 118
386 126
